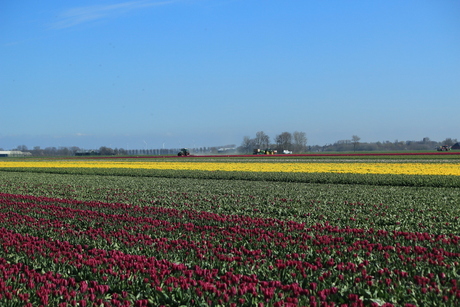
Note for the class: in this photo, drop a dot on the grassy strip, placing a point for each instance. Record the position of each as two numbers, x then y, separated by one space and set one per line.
323 178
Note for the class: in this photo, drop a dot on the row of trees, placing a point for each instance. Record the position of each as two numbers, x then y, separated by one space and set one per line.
296 142
49 151
68 151
108 151
354 144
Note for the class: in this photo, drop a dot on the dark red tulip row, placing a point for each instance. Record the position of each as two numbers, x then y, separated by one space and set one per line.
154 255
20 285
430 153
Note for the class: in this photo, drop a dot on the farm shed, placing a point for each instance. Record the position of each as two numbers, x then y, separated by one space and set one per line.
14 153
456 146
88 153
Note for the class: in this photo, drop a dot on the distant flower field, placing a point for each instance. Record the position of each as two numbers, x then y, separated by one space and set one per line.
452 169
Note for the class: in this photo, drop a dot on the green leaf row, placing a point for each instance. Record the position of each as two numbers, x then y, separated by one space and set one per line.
322 178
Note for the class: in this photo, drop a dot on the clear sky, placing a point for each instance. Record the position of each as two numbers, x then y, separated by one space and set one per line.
195 73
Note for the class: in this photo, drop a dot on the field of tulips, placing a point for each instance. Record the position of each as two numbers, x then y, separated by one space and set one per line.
407 168
229 232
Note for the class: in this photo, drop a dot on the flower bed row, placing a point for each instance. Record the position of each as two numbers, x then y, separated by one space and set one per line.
321 178
132 255
444 169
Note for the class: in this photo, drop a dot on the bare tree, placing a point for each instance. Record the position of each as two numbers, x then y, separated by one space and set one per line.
121 151
355 140
247 144
106 151
50 151
284 141
449 142
74 149
63 151
37 151
21 148
262 140
300 141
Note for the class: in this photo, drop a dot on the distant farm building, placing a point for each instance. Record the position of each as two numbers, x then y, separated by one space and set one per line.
226 150
456 146
14 153
88 153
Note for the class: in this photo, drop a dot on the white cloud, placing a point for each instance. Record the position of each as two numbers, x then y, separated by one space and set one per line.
78 15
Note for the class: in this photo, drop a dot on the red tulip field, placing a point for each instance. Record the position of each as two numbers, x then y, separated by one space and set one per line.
146 237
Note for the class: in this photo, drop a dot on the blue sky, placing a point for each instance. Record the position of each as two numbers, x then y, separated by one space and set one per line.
195 73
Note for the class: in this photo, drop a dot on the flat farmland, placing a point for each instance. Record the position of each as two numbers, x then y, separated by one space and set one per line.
231 231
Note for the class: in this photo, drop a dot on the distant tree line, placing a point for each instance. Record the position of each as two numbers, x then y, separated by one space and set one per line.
49 151
353 144
107 151
68 151
295 142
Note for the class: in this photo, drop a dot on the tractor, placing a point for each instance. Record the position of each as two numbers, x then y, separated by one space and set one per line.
184 152
267 151
443 148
